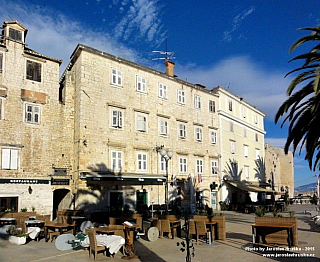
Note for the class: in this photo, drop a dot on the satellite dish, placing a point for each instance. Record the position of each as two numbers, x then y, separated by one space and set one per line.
64 242
153 234
84 225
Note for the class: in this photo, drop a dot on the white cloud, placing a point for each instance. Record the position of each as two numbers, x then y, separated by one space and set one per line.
59 34
261 87
227 35
142 20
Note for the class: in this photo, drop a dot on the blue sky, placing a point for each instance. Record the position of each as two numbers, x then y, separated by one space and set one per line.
241 45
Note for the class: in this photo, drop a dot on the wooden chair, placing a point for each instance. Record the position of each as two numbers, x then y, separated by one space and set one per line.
192 228
45 218
139 223
165 227
201 230
157 223
112 221
94 248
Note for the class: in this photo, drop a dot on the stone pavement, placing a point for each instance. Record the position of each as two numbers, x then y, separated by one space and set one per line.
237 247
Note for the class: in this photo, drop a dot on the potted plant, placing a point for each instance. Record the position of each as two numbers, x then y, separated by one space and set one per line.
209 212
16 236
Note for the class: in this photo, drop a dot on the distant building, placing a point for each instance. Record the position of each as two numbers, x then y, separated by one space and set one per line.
279 170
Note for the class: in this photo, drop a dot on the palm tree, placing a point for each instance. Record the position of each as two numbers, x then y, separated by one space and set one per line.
302 108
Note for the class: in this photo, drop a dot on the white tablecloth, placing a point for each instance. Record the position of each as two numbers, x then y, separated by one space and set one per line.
113 242
33 232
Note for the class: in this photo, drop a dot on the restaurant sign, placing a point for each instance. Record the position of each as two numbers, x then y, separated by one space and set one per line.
23 181
60 181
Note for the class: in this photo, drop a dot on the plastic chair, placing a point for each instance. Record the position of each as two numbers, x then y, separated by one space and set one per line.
94 248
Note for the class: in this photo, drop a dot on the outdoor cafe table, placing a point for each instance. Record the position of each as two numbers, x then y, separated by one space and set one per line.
105 230
7 221
212 224
78 220
34 223
60 226
33 227
264 229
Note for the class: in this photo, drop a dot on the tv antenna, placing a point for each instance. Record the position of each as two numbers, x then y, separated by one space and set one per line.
164 55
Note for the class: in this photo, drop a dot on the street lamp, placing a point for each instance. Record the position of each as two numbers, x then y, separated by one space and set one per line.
166 155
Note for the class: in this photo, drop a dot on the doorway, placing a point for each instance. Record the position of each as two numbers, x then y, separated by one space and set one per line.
116 202
61 200
141 201
214 200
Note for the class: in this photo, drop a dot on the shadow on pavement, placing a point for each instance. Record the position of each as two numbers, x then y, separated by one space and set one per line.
145 254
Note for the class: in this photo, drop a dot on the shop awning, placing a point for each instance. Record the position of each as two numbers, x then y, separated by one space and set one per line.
128 177
249 187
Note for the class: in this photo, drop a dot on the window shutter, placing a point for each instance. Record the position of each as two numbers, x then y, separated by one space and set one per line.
0 108
5 162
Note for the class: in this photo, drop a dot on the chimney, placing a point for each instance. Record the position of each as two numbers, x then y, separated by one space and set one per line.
169 67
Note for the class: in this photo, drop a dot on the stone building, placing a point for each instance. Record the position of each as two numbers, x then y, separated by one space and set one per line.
241 133
30 124
113 134
123 114
279 170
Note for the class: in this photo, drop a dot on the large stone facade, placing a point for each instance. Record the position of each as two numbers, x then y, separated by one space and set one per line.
92 140
279 170
29 122
99 101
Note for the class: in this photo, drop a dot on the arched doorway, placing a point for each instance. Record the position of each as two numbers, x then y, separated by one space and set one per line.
62 199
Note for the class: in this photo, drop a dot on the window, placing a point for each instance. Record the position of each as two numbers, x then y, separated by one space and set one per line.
257 137
198 134
33 71
182 165
212 106
162 91
182 130
230 105
257 153
116 77
32 113
246 172
246 150
9 203
197 101
213 137
181 97
141 162
116 160
214 167
255 118
163 127
162 164
141 123
1 63
231 127
232 147
9 158
15 34
116 118
244 112
141 84
244 132
199 166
